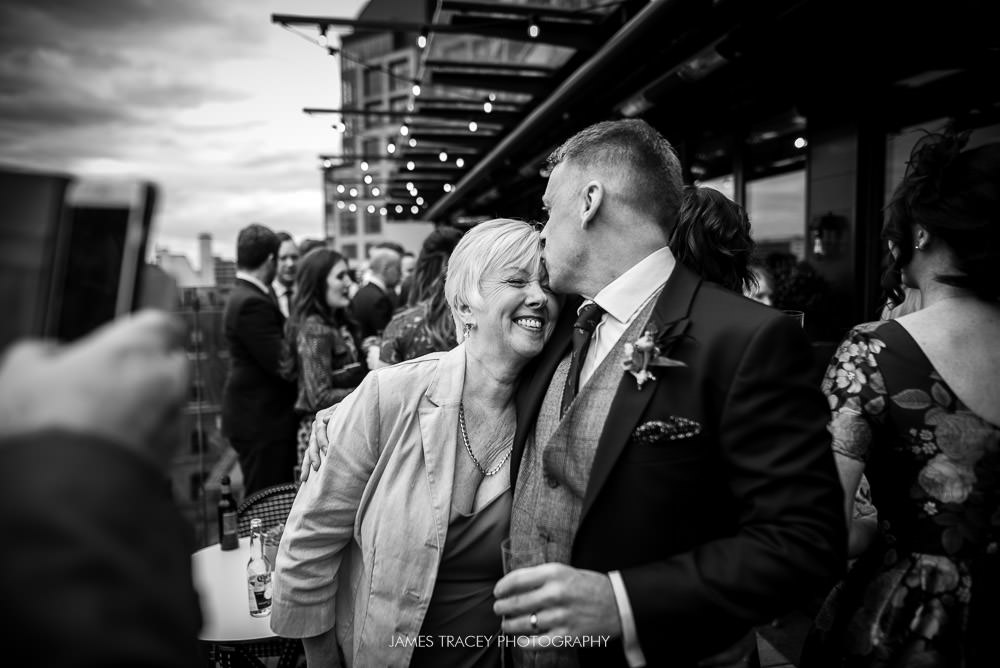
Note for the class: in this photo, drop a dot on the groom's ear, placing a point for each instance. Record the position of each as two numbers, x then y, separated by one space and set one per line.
593 196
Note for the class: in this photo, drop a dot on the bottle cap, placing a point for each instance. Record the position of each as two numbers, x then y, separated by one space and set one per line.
255 523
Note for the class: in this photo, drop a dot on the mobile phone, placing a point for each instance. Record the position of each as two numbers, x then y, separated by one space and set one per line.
100 254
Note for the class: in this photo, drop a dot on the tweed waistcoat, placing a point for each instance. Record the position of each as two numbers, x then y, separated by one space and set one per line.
552 480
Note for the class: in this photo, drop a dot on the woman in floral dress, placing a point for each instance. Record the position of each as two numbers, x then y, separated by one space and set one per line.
916 408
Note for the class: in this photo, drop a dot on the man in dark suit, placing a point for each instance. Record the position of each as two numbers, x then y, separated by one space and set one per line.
374 303
96 565
681 494
258 413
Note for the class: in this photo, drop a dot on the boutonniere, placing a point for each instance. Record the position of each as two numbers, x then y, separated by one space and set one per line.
643 354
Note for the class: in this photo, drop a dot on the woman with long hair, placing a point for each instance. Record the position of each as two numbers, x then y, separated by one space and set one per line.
426 326
321 338
916 408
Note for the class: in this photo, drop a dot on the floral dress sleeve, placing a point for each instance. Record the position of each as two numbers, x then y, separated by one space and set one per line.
856 391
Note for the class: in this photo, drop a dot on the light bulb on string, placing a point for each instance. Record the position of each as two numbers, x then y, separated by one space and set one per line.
409 185
368 179
442 156
341 188
327 164
447 187
420 201
352 207
412 142
473 126
488 106
371 208
411 165
390 148
376 191
353 192
414 209
324 41
416 90
340 204
422 39
399 208
404 129
340 126
460 162
533 29
364 165
382 211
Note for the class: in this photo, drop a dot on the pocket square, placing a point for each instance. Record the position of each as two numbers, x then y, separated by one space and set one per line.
670 429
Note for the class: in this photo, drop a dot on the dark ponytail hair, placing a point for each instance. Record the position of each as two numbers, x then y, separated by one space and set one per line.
955 195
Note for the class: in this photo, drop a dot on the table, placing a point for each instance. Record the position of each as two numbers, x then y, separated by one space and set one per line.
221 580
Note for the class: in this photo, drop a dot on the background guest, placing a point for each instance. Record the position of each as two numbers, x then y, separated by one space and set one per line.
258 415
408 264
284 281
427 326
762 289
321 339
375 302
712 238
916 408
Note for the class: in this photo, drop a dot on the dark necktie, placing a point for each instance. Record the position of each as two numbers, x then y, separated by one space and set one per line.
583 329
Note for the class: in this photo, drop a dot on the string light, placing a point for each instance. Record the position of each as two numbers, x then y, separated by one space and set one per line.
414 209
352 207
442 156
412 142
371 208
460 162
399 208
420 201
376 191
339 126
416 89
488 106
447 187
411 165
340 204
800 142
404 129
390 148
473 126
422 39
368 179
353 192
323 40
533 29
364 165
414 192
327 164
409 185
382 211
341 188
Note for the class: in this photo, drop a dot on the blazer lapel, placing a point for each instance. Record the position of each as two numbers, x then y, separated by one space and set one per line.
438 417
669 316
535 381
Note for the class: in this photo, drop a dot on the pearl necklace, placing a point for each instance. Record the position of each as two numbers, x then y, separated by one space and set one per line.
468 448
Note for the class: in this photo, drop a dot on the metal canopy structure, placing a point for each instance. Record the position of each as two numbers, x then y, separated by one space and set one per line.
696 69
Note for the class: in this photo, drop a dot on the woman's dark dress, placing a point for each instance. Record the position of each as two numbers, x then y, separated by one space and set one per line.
928 592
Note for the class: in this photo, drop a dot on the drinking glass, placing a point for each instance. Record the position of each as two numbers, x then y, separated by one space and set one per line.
797 316
521 556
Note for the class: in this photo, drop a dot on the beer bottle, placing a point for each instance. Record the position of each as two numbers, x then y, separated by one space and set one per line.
258 572
228 536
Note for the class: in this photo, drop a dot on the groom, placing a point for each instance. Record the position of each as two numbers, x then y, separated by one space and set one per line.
690 496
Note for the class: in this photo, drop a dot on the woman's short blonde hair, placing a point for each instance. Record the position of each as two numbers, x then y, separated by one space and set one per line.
484 251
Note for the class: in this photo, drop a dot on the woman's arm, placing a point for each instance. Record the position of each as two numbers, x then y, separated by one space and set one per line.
320 526
861 526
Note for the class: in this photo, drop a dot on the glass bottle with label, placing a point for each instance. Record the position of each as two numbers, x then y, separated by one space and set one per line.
228 537
258 572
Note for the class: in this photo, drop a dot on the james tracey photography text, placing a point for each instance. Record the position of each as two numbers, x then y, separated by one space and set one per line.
555 642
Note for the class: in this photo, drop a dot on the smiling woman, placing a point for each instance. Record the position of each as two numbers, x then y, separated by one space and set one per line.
421 445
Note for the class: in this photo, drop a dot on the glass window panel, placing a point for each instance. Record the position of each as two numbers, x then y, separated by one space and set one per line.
777 209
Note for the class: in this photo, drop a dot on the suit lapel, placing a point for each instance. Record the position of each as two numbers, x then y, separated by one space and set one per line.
669 316
438 417
535 381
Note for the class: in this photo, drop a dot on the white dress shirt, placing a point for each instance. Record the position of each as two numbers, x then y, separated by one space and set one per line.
284 293
250 278
622 300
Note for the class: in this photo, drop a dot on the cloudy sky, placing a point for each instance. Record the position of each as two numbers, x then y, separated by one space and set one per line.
202 97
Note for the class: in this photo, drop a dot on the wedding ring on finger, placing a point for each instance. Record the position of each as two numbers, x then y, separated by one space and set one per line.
533 620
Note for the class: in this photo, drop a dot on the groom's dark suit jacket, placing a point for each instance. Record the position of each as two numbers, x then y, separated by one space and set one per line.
719 530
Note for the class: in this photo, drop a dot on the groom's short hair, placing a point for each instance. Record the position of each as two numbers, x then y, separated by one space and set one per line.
645 163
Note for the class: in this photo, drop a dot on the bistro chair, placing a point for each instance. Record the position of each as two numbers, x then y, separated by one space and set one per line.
270 504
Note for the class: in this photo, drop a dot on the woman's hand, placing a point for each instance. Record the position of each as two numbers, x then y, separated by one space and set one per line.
318 443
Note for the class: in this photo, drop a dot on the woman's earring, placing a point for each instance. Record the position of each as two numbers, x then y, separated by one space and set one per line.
466 330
